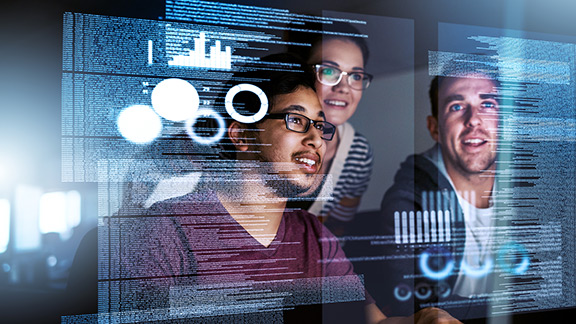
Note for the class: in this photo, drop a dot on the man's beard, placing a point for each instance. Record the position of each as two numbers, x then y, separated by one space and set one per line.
288 185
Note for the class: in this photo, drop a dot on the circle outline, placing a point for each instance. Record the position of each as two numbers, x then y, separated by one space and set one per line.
512 247
206 112
420 296
397 294
239 117
435 275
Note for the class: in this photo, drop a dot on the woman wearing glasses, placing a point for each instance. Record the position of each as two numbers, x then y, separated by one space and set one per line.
340 81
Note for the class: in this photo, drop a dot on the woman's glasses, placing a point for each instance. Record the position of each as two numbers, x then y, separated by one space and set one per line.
331 76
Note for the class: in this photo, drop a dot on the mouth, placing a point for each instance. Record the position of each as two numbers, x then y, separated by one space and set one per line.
334 103
474 142
309 162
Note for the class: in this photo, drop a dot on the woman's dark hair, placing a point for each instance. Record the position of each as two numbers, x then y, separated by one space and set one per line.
315 34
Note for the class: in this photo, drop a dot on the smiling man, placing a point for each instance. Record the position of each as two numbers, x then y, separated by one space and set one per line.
465 124
439 212
231 251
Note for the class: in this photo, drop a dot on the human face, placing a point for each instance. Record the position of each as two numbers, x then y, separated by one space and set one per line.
295 156
467 124
339 101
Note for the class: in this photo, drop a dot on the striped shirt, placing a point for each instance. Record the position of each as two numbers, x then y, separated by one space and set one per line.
351 169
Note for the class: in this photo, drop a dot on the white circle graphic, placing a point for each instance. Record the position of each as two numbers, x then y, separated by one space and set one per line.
239 117
206 112
175 99
139 124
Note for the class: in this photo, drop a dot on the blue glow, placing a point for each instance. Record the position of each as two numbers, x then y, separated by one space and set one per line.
51 261
26 234
443 290
205 112
228 102
4 224
422 294
436 275
139 124
511 251
59 212
52 211
402 292
175 99
3 172
477 272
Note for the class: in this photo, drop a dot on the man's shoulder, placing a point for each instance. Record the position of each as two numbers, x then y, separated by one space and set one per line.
418 170
195 202
417 174
301 217
302 220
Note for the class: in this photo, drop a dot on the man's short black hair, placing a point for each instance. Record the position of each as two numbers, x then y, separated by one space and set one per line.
461 67
283 74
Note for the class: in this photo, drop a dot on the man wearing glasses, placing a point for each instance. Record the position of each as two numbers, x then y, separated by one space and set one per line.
341 79
232 250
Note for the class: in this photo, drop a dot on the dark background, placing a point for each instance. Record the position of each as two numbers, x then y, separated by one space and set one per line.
30 109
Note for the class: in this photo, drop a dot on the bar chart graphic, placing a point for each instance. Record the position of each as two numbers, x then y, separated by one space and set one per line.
217 57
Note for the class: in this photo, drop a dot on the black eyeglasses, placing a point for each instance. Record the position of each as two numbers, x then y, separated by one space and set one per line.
300 124
331 76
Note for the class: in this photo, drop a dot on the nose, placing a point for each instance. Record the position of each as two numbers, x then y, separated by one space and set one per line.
312 138
473 118
343 85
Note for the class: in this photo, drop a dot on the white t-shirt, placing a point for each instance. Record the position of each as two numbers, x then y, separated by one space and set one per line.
477 262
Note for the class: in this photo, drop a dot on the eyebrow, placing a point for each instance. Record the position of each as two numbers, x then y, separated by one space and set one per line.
451 98
458 97
338 65
488 96
298 108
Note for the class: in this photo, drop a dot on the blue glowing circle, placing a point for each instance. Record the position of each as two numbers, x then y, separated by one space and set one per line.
51 261
513 250
206 112
442 290
477 272
228 103
422 291
139 124
432 274
175 99
402 292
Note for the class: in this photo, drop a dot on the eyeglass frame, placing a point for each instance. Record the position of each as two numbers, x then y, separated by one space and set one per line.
317 72
310 122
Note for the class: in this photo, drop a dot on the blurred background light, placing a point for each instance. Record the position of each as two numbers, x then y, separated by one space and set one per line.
4 224
26 232
59 212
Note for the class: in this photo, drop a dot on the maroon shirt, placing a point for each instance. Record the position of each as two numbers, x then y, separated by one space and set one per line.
192 240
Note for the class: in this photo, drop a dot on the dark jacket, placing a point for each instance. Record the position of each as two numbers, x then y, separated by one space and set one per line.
422 257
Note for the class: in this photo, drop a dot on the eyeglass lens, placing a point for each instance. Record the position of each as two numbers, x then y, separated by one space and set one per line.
330 75
301 124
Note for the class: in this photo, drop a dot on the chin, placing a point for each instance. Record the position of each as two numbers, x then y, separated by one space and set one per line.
301 187
336 118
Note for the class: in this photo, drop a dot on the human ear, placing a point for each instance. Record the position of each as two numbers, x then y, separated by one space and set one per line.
432 123
237 135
